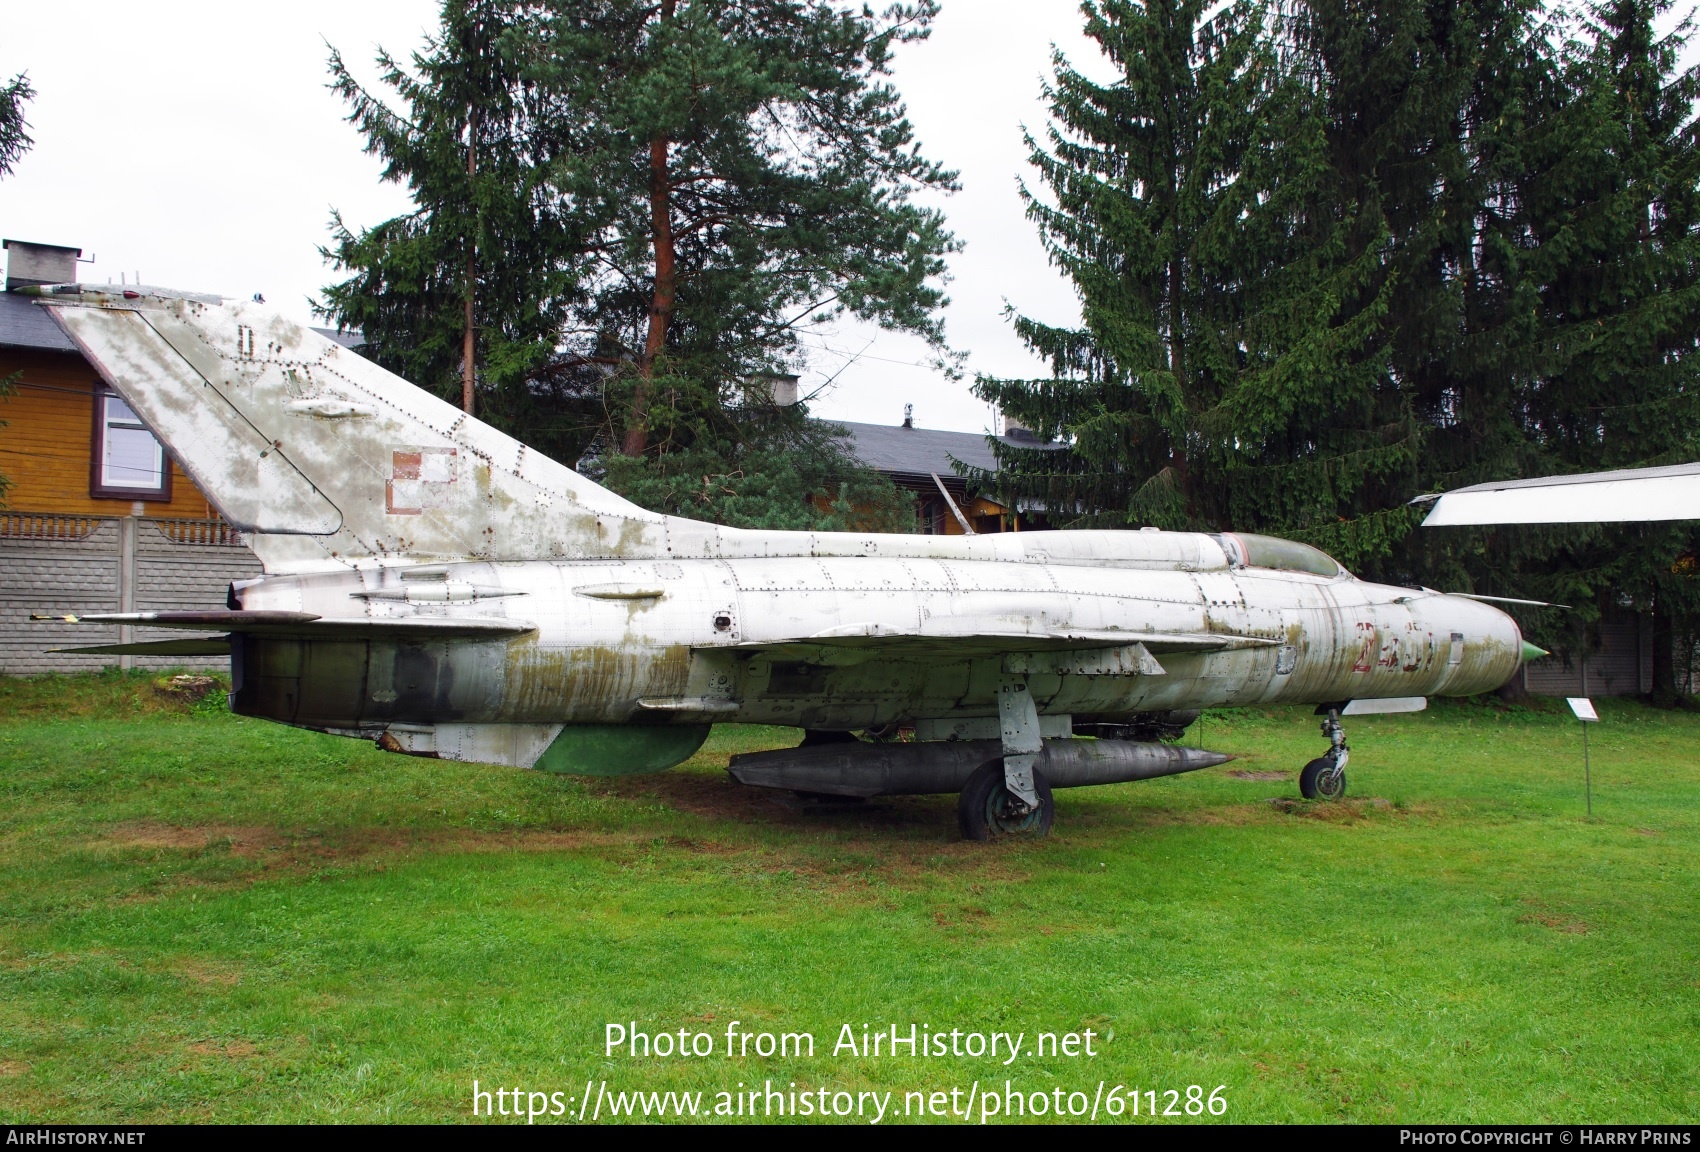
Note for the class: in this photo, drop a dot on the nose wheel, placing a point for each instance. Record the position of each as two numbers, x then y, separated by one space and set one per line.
1325 777
1322 780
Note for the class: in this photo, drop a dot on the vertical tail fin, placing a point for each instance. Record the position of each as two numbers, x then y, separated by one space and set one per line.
326 458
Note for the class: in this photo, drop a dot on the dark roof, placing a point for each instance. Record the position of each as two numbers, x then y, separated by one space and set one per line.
922 451
352 338
24 325
7 245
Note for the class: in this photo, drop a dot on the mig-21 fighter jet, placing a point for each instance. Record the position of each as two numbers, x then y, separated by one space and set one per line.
436 587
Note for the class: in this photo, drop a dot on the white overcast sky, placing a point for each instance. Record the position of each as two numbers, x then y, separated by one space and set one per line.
195 144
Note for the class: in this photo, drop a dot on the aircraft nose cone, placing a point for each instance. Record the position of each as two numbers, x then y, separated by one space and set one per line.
1532 652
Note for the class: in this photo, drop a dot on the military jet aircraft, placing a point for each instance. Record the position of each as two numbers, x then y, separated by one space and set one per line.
438 588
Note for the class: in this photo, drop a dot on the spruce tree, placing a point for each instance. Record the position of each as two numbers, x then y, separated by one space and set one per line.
1640 364
1357 309
1613 265
1147 217
1565 273
1441 117
1464 250
1230 370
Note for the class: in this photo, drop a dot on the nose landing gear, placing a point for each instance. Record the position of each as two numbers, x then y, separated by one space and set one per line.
1325 777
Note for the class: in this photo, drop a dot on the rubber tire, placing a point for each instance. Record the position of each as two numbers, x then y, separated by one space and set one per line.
984 799
1319 781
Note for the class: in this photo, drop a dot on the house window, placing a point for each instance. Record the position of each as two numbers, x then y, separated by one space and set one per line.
129 463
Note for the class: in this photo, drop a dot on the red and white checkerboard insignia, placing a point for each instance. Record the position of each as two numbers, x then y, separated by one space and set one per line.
420 478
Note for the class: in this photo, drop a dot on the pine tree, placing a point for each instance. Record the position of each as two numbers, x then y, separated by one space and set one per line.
780 471
749 170
665 195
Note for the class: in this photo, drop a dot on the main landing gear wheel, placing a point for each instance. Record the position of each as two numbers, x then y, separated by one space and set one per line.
988 809
1321 780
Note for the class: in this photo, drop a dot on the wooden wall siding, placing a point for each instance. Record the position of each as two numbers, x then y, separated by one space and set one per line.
45 446
82 575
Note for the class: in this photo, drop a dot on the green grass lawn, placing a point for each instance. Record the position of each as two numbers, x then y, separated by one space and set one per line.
204 917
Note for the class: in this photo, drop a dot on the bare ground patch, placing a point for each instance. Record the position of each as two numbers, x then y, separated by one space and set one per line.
1546 917
283 847
205 972
900 839
248 841
229 1049
1220 815
1345 811
1556 923
849 853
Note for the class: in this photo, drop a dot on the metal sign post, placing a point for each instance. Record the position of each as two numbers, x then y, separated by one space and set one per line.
1584 709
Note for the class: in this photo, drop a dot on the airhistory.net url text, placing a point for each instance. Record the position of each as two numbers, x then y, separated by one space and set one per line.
975 1103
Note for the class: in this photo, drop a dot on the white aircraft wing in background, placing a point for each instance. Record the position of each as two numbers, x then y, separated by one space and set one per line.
1627 495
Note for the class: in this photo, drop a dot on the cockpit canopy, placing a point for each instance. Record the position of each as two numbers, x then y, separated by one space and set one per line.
1246 550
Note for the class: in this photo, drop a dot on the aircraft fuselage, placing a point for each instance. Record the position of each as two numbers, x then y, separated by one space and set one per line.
696 640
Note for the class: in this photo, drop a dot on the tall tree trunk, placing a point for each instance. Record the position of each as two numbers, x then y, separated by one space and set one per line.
666 281
466 351
468 346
